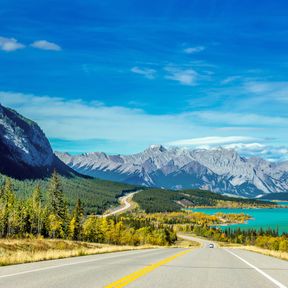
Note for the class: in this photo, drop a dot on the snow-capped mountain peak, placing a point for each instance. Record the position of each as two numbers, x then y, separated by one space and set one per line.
220 170
156 148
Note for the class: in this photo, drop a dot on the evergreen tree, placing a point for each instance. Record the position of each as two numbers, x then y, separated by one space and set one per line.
57 204
1 192
9 211
37 211
75 225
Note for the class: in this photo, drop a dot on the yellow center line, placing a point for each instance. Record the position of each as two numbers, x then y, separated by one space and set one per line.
137 274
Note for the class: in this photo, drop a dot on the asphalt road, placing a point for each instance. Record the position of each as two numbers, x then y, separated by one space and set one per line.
155 268
124 204
204 242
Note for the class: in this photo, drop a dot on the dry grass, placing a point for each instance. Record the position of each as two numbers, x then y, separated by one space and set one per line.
273 253
183 243
13 251
228 245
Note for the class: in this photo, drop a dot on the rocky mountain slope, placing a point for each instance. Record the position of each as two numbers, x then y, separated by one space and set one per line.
25 152
219 170
26 156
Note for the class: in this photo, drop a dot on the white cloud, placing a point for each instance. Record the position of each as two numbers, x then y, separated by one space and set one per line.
245 146
146 72
10 44
46 45
269 152
230 79
226 118
192 50
77 120
270 90
187 77
212 140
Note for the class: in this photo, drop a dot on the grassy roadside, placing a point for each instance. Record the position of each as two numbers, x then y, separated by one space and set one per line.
183 243
16 251
273 253
277 254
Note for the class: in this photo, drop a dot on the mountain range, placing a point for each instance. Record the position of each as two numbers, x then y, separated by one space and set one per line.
25 153
218 170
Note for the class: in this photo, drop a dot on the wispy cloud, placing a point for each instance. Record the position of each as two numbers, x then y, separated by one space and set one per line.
146 72
269 152
46 45
230 79
245 146
10 44
240 119
192 50
212 140
78 120
187 77
269 89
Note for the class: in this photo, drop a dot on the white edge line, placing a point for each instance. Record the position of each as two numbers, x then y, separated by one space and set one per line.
276 282
66 264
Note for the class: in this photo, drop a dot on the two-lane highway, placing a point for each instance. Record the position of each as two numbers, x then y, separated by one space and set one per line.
203 268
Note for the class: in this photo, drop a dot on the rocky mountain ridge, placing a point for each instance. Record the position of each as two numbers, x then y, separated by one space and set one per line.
219 170
25 152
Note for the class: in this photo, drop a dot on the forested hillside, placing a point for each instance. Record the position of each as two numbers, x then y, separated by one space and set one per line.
161 200
46 214
96 195
276 196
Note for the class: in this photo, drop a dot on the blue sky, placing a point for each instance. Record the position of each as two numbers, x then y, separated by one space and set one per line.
117 76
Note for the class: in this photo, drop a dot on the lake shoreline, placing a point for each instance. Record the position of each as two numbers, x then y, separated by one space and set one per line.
261 218
243 208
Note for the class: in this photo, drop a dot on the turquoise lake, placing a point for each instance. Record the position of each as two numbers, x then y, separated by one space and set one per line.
284 203
264 217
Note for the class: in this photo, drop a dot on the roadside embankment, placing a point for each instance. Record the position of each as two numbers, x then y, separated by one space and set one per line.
15 251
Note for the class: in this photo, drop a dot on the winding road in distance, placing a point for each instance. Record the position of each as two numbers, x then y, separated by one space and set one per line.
124 204
155 268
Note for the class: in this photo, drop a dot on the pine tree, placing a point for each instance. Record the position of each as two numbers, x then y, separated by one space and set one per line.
1 192
3 214
57 204
37 197
23 217
9 211
37 202
75 225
